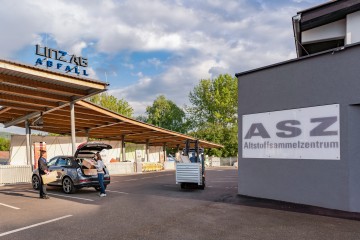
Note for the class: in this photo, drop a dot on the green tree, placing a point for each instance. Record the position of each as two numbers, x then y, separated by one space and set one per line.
214 113
111 103
166 114
4 144
142 118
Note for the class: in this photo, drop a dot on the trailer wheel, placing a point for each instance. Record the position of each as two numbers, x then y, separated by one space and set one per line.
182 185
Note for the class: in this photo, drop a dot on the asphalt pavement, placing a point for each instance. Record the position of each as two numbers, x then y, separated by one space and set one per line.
152 206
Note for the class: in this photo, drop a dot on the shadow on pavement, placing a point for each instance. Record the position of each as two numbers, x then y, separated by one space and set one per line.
286 206
15 194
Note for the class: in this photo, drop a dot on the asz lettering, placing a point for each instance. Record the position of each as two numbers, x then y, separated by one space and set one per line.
290 129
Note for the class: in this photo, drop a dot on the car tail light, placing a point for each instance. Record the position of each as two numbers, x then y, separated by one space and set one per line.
107 178
84 180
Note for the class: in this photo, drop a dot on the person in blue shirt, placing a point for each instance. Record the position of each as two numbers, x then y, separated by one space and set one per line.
43 170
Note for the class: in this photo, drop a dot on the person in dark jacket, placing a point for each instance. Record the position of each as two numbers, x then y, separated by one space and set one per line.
43 170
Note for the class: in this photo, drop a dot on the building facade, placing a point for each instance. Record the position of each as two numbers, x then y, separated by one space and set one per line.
299 131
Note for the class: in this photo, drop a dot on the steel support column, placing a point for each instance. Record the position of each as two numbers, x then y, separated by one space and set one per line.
147 151
164 149
28 146
123 153
72 120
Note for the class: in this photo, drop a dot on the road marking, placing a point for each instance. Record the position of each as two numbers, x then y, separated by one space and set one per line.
9 206
34 225
85 199
221 181
114 181
134 179
116 192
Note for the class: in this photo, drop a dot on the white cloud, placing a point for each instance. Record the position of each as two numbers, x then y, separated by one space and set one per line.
154 61
128 65
91 72
78 47
204 38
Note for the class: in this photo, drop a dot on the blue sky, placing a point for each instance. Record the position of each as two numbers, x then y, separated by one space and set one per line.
147 48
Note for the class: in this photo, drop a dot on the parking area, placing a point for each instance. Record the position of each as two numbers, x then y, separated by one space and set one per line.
152 206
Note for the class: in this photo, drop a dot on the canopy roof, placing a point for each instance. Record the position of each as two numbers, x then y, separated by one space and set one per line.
43 97
37 91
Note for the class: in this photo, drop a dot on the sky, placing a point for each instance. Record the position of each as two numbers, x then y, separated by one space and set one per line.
144 48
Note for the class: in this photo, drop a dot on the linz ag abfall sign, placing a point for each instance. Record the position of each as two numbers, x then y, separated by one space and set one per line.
66 62
303 133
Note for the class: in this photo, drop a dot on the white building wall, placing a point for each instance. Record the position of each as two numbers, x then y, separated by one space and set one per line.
353 28
55 145
326 32
59 145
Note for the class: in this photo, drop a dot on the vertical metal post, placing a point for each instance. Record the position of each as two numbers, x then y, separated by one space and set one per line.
147 150
72 120
164 149
87 132
28 147
123 153
177 152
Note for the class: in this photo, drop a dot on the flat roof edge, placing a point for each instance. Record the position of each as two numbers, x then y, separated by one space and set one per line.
318 6
297 59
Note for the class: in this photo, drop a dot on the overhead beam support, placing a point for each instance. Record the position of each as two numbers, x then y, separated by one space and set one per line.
22 119
4 109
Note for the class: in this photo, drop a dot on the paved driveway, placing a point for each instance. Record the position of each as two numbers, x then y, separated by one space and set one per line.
152 206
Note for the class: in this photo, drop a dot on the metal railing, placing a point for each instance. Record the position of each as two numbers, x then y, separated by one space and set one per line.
15 174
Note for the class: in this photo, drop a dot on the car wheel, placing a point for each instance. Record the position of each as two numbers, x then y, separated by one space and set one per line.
68 186
35 182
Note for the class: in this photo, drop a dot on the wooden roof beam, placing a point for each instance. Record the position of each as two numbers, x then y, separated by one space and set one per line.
4 109
55 88
55 117
19 91
25 107
61 105
135 134
27 100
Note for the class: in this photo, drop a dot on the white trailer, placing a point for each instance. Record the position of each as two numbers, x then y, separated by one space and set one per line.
189 173
191 169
